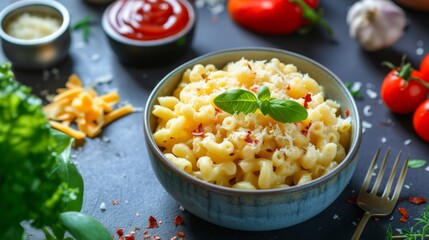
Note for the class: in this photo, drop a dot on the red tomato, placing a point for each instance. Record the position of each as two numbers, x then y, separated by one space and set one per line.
400 93
421 120
424 67
270 16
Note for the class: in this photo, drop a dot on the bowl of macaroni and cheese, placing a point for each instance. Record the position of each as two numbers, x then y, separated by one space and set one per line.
244 169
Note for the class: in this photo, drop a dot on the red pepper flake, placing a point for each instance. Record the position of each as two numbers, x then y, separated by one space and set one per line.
347 112
269 150
199 132
173 238
249 139
115 202
152 222
217 111
231 154
156 237
416 200
403 219
404 212
352 199
136 228
288 87
129 237
120 232
181 234
145 232
376 219
307 99
198 89
254 89
305 130
178 220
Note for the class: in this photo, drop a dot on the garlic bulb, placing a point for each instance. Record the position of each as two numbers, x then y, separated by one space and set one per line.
376 24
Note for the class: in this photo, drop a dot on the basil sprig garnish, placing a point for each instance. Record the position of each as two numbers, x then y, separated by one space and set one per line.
240 100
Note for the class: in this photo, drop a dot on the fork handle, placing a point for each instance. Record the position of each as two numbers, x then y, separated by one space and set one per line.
361 226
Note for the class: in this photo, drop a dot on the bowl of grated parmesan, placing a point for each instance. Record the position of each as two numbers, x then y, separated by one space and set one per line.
35 33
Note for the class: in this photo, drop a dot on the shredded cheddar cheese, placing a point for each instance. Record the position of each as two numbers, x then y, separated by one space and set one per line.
84 107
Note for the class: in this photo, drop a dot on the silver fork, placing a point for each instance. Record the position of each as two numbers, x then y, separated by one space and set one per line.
370 202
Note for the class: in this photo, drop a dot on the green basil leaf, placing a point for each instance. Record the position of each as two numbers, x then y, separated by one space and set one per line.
416 163
58 231
63 142
13 232
83 227
286 111
264 94
236 100
68 170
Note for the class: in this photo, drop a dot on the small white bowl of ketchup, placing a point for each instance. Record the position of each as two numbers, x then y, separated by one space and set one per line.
149 32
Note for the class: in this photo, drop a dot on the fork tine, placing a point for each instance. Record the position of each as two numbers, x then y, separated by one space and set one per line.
392 176
370 171
380 173
401 180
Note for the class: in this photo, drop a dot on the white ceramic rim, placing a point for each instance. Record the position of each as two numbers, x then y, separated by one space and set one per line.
351 154
146 43
28 3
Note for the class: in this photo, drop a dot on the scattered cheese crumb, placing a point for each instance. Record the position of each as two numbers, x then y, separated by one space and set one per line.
181 208
427 168
371 93
336 217
104 79
95 57
367 111
406 186
103 206
383 139
407 142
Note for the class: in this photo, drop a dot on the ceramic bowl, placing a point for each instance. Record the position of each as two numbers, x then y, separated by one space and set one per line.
150 52
38 53
254 210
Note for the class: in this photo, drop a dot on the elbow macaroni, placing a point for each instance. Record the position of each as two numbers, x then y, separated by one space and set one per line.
250 151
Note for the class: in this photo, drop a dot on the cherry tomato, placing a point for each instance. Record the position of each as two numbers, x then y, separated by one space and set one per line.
400 93
424 67
421 120
275 16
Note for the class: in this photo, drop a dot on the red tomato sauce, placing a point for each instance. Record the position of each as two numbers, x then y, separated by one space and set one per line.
148 19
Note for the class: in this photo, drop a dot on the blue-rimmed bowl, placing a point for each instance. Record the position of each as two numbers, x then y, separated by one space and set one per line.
255 209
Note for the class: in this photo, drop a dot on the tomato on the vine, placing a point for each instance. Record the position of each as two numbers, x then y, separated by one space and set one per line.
276 16
424 67
401 90
421 120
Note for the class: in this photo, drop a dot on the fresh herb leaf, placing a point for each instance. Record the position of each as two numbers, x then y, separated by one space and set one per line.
84 24
237 100
264 94
240 100
286 111
84 227
355 93
416 163
420 229
35 163
28 158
